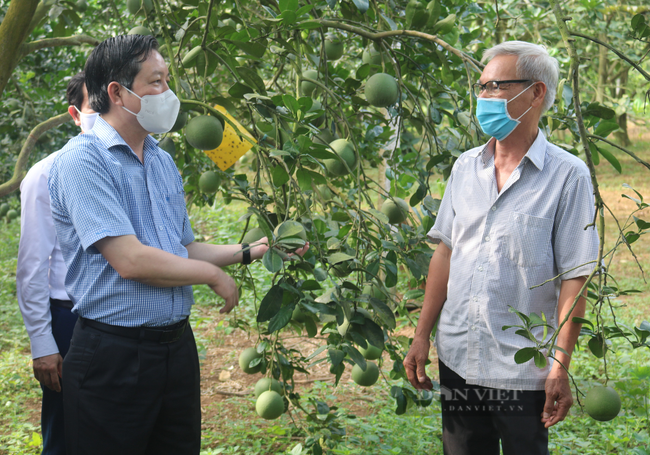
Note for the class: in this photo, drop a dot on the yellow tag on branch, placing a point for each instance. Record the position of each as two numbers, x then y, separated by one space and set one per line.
232 146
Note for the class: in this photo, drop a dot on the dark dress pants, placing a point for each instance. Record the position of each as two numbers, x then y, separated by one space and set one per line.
127 396
52 423
476 419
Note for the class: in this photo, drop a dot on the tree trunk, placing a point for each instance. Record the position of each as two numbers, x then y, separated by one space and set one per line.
13 32
621 134
602 69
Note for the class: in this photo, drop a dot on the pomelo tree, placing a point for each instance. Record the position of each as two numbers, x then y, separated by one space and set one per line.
325 155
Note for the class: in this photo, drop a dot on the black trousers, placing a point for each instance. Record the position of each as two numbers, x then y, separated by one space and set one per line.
127 396
52 420
476 419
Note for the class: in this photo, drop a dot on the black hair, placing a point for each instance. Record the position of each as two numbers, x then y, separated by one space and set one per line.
75 90
116 59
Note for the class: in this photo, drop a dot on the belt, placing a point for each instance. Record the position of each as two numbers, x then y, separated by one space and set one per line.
166 334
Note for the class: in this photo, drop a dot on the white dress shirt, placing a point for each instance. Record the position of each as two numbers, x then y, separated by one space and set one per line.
40 273
504 244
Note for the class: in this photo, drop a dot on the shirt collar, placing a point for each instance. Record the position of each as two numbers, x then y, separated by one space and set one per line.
536 153
109 137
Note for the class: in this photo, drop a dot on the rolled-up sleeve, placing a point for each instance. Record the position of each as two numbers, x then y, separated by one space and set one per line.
442 228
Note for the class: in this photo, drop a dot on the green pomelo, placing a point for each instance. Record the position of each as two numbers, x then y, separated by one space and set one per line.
307 88
265 384
4 208
269 405
333 48
416 14
365 378
181 120
325 193
382 90
209 182
253 235
395 209
81 6
371 56
167 144
602 403
140 30
290 229
12 214
197 58
325 137
246 357
317 106
191 56
345 151
135 6
371 352
204 132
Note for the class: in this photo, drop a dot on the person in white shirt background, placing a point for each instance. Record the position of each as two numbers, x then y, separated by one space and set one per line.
40 278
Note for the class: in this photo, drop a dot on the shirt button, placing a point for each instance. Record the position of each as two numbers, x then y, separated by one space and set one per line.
475 299
487 238
474 328
493 208
160 227
480 268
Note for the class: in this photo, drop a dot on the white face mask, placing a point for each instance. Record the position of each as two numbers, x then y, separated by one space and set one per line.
157 112
87 120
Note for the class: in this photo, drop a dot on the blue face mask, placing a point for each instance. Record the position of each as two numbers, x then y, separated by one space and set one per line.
493 116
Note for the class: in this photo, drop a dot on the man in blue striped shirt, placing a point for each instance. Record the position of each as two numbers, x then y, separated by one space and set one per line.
132 373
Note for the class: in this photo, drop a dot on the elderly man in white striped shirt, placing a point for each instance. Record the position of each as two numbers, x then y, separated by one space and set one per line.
517 212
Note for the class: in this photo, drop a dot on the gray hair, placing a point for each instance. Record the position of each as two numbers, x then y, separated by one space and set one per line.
533 62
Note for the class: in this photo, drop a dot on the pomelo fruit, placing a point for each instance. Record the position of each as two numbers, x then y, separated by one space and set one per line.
371 56
395 209
180 122
365 378
324 137
602 403
140 30
167 144
371 352
4 208
246 357
307 88
382 90
209 182
265 384
253 235
204 132
269 405
345 151
12 214
333 48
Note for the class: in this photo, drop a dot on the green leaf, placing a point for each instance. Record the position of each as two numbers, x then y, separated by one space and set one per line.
271 303
540 360
642 224
600 111
272 261
524 355
579 320
605 127
288 5
384 312
355 356
310 327
306 178
279 176
638 22
611 158
362 5
251 78
373 333
238 90
400 399
281 319
339 257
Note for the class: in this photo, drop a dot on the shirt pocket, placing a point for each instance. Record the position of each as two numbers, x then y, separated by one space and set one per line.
174 209
529 239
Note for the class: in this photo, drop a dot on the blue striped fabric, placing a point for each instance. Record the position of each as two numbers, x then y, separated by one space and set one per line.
99 188
502 245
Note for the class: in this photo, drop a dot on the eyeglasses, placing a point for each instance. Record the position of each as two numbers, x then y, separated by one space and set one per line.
492 87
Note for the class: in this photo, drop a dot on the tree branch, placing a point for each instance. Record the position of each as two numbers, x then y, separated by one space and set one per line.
21 163
629 152
75 40
375 36
614 50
